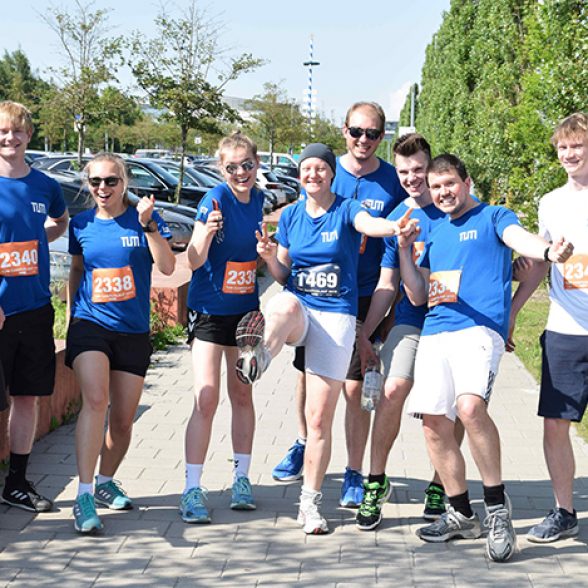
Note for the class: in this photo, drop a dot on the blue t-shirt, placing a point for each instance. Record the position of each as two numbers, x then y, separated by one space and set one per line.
379 192
25 204
470 248
115 286
227 282
323 252
405 313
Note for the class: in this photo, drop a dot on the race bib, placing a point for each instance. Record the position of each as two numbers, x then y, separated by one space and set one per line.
19 259
443 287
113 284
239 277
575 272
417 250
319 280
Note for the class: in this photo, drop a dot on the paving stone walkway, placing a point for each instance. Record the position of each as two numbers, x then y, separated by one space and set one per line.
150 545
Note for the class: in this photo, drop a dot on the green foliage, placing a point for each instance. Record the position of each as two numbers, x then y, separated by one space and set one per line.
162 334
60 324
498 76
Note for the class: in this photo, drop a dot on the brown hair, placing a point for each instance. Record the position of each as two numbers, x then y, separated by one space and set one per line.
18 115
447 162
119 162
575 125
411 144
373 106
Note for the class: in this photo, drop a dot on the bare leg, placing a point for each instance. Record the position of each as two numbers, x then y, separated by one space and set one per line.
357 425
321 400
444 453
387 422
459 433
482 436
23 423
125 393
300 404
92 370
284 322
559 457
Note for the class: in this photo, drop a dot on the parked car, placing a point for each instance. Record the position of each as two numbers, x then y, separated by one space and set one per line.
267 180
192 176
291 182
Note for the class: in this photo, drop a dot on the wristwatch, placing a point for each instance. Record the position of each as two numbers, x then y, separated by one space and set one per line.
150 227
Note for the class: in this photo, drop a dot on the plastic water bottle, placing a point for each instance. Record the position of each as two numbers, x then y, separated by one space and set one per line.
372 382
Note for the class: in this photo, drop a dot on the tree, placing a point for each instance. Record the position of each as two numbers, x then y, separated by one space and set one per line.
90 57
176 67
278 120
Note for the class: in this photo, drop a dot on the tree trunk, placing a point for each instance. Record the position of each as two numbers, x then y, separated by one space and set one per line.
184 130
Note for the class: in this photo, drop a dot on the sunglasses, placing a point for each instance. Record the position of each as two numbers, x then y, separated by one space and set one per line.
110 181
246 166
371 134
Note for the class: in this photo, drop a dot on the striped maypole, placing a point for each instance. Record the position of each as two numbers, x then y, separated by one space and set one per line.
310 98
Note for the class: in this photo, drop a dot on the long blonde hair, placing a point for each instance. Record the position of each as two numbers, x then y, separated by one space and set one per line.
119 162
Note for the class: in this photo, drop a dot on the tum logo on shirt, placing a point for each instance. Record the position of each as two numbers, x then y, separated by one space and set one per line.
39 207
329 236
373 204
130 241
468 235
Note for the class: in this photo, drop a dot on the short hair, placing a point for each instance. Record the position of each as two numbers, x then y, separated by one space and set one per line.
236 140
411 144
121 166
18 115
373 106
575 125
447 162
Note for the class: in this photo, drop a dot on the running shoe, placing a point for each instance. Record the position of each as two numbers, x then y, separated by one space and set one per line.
352 489
254 358
451 525
192 507
502 540
369 515
290 468
242 495
86 520
434 502
111 495
25 497
309 516
558 524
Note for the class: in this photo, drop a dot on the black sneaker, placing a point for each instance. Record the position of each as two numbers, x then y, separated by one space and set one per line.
434 503
369 515
26 497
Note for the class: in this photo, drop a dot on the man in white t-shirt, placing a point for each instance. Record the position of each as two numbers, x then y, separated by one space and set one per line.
564 376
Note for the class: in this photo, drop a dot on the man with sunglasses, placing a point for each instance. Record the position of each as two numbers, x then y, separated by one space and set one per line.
32 213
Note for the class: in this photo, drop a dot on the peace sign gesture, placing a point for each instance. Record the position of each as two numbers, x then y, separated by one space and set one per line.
266 248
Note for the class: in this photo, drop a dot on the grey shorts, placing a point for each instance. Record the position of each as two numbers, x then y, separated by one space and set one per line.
399 352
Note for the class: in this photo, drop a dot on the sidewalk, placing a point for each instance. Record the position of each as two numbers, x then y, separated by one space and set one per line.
150 545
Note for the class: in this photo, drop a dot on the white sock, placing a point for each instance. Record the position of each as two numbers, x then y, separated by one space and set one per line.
301 440
85 489
308 493
241 463
100 479
193 475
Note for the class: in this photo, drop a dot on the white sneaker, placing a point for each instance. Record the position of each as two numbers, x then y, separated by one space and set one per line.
254 357
313 523
502 539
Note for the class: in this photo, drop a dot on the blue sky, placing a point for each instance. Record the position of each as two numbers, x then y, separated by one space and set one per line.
367 50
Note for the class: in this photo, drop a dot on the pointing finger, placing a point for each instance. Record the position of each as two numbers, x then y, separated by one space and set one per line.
403 220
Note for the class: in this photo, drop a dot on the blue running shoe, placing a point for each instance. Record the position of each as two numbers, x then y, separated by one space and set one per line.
352 489
558 524
242 496
290 468
192 507
86 520
111 495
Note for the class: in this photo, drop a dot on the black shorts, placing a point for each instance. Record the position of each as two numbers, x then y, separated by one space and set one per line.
213 328
564 376
27 351
126 352
354 370
299 362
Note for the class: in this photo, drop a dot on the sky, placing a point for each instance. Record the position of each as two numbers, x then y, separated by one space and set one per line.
372 51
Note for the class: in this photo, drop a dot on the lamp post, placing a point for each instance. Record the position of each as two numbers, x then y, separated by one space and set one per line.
309 94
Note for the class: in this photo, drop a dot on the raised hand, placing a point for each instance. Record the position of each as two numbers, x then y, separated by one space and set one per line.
145 208
214 222
266 248
560 250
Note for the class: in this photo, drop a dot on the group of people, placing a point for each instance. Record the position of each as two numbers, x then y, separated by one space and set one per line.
403 253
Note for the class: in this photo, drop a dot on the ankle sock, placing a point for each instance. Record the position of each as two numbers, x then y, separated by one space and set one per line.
461 503
494 495
241 463
100 479
379 478
193 475
85 489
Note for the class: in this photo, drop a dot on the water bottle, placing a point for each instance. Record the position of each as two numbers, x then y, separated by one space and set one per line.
372 381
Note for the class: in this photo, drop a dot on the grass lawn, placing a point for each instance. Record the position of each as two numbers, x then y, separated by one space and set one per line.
530 324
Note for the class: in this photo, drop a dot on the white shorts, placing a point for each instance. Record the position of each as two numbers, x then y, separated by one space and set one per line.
450 364
328 340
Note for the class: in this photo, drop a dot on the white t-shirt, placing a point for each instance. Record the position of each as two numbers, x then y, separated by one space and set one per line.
564 213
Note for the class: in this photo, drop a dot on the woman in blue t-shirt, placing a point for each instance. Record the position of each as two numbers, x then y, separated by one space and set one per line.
316 258
113 248
223 257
